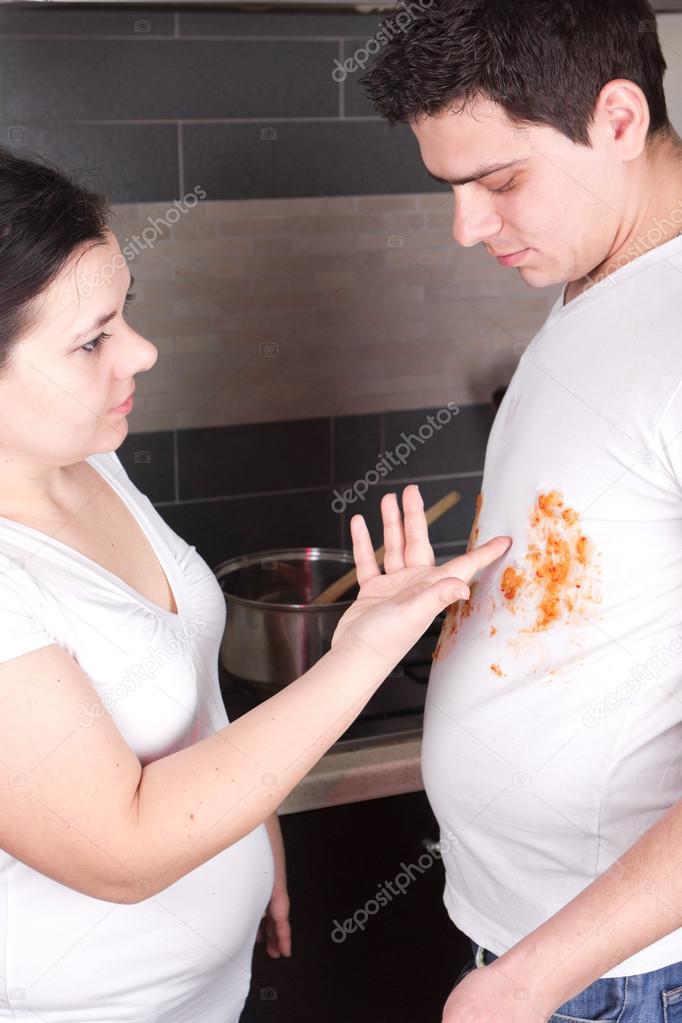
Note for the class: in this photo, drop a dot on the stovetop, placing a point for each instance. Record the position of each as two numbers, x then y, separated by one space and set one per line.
395 712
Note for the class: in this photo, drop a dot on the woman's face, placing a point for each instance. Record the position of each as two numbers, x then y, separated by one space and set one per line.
70 369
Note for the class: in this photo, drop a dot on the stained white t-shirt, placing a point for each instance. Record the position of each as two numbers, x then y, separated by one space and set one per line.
553 721
184 955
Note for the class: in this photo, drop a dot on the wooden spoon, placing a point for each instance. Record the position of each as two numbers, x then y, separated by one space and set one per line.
342 585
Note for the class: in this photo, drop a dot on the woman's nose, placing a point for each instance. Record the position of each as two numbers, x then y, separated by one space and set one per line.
141 355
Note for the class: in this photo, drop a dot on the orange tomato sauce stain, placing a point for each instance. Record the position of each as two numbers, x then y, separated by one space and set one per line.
458 612
555 568
498 671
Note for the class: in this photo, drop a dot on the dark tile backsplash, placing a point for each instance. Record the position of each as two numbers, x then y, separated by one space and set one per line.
299 159
440 446
139 160
253 458
149 460
299 24
167 80
233 490
245 104
82 20
222 529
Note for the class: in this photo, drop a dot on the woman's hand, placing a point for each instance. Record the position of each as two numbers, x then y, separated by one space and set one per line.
275 927
393 610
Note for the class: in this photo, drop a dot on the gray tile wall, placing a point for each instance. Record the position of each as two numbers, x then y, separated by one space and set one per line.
143 103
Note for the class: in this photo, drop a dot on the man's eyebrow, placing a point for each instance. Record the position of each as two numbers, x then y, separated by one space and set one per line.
482 172
102 320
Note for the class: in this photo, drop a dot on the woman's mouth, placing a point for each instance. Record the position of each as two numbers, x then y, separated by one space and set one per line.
124 408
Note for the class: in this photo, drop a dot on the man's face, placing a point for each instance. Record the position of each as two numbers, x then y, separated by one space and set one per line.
560 206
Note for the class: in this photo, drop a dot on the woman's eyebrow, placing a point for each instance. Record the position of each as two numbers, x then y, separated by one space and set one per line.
482 172
102 320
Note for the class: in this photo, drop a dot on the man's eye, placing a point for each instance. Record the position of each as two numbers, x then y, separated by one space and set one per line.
505 188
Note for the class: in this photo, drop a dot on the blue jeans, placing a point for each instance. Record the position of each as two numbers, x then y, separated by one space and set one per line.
654 997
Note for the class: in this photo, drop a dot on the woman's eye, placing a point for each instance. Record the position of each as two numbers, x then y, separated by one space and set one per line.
505 188
97 342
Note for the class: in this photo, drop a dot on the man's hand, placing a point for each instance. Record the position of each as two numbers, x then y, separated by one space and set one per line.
490 994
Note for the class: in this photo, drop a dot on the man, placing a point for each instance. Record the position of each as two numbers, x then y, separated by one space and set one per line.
553 727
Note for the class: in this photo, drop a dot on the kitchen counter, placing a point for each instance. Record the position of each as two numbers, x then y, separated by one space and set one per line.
352 776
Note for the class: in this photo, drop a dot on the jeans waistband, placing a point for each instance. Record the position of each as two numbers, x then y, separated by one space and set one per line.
482 956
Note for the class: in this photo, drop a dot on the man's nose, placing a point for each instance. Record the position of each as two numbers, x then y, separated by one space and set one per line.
474 220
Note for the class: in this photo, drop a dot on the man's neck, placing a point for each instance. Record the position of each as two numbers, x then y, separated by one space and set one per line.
659 222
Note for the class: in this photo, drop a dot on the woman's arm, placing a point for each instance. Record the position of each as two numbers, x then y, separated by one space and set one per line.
75 802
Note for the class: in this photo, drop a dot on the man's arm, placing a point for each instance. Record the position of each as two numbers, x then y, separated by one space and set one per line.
631 905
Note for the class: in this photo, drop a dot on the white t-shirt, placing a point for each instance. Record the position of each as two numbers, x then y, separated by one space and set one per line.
553 721
183 955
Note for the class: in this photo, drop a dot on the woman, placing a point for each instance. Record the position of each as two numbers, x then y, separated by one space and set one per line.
136 823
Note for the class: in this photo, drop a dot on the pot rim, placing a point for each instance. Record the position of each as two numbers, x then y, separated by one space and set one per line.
245 560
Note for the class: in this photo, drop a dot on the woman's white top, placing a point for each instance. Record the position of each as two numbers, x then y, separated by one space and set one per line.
184 955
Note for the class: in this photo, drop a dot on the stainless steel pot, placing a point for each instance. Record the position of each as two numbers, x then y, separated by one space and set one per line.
272 632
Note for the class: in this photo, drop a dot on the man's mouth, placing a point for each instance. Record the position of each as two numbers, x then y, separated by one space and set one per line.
513 258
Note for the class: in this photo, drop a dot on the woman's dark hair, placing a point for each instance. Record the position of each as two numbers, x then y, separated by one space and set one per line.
543 61
44 218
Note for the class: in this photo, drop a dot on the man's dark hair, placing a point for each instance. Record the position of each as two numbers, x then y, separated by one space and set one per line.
543 61
45 218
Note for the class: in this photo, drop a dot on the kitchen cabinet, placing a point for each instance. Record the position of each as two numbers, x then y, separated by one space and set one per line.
404 962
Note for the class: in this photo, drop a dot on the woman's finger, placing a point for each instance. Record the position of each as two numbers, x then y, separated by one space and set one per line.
467 565
394 538
363 552
284 936
428 599
418 549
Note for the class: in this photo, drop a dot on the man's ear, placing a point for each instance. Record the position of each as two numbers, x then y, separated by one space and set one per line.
622 117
